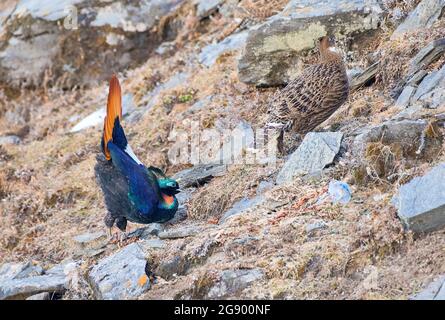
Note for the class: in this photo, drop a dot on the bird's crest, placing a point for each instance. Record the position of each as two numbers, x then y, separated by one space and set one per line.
114 110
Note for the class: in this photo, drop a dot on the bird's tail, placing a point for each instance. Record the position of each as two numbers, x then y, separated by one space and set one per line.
114 115
113 131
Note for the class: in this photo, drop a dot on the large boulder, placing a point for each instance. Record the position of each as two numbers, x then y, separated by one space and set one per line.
271 55
76 41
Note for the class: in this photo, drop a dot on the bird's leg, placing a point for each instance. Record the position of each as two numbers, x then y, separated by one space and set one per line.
122 237
121 223
109 222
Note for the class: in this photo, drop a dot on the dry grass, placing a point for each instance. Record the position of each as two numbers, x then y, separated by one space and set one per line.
395 55
213 199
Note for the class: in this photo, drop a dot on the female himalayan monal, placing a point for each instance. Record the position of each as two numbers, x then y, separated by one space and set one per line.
131 191
312 97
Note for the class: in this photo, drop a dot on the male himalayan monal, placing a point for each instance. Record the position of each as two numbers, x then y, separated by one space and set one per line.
131 191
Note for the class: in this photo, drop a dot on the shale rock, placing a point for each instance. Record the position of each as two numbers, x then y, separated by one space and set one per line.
317 150
232 282
121 275
426 13
421 202
434 291
75 40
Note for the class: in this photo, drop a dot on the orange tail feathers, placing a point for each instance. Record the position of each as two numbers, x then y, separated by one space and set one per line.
114 110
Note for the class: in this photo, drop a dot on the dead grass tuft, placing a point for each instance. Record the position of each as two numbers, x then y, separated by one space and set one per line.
213 199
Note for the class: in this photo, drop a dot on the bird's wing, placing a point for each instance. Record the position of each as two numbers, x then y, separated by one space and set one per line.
114 186
143 189
304 97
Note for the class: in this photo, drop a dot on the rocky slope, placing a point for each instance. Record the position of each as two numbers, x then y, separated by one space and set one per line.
356 211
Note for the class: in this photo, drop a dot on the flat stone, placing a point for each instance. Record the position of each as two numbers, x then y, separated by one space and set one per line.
242 206
406 133
434 291
120 275
170 268
360 79
96 239
317 150
152 229
426 56
9 271
153 244
198 175
232 282
5 140
273 48
206 7
40 296
24 287
429 83
423 16
311 227
421 202
212 52
405 97
182 232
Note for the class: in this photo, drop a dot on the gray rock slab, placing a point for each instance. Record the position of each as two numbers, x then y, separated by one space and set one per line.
405 97
421 202
434 291
361 78
181 232
152 229
311 227
24 287
317 150
232 282
5 140
206 7
403 132
91 239
198 175
40 296
117 277
9 271
430 82
423 16
152 244
242 206
210 53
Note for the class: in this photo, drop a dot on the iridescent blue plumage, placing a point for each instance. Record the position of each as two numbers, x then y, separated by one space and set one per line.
131 191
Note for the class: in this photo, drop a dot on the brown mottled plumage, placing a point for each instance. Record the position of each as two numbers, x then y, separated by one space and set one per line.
312 97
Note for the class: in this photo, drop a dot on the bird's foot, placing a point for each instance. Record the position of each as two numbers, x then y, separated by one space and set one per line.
122 236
